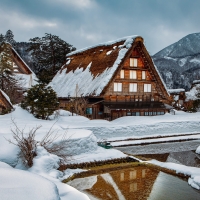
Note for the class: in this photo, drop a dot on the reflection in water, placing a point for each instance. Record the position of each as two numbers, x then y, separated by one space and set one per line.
135 183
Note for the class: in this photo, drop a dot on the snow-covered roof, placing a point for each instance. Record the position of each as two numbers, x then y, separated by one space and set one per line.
29 69
176 91
196 81
6 97
91 68
26 80
89 71
128 40
191 95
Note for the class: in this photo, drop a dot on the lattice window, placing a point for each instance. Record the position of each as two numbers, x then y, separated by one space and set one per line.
133 74
133 62
117 87
133 87
147 87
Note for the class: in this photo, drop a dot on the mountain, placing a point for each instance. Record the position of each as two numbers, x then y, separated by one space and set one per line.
179 63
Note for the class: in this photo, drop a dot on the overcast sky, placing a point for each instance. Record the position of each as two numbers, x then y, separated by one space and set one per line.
84 23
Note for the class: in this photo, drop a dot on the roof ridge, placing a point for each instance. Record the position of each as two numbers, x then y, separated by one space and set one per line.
108 43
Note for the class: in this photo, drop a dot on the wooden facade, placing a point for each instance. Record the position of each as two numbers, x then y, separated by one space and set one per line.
5 105
134 89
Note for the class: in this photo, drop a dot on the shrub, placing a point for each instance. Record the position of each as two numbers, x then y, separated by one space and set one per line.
28 144
41 101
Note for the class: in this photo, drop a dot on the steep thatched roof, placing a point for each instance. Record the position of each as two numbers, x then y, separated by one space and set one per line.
91 69
23 73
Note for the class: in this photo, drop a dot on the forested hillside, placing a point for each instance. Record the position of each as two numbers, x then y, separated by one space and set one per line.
179 63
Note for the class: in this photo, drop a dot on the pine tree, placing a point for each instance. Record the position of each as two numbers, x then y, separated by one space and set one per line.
8 82
49 53
9 37
2 38
6 65
41 101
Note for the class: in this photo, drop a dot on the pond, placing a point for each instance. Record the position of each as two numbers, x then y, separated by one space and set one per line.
135 183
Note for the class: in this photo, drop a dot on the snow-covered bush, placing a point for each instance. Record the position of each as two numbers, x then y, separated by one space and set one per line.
28 145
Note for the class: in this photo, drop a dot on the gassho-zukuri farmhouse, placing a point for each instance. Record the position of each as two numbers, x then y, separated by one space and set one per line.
118 78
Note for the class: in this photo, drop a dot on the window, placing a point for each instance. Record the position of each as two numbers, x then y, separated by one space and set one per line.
88 111
143 75
137 114
117 87
133 187
133 74
132 175
122 176
147 87
133 87
122 74
143 173
133 62
146 113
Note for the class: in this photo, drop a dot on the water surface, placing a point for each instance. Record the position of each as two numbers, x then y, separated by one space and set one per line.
134 184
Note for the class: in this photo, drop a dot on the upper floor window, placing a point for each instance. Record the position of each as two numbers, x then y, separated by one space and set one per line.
122 74
147 87
133 74
133 87
133 62
143 75
117 87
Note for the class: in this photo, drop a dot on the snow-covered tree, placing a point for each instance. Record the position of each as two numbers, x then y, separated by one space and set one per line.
41 101
49 53
8 82
9 37
6 65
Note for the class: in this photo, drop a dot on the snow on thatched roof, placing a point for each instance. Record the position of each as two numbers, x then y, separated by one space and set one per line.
91 68
176 91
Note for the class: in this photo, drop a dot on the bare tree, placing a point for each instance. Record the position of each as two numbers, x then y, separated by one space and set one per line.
78 104
28 144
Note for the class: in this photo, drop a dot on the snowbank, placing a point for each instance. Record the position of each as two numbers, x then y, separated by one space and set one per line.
19 184
139 126
82 141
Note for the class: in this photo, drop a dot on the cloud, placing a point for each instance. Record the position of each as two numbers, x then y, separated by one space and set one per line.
76 4
84 23
20 21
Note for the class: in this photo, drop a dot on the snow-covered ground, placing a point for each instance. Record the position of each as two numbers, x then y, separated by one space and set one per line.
82 135
137 126
43 180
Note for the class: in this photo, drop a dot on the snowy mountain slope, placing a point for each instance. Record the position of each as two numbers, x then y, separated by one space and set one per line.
187 46
179 63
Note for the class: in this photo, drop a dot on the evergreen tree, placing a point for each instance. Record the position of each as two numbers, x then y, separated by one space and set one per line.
2 38
41 101
49 53
9 37
6 66
8 82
